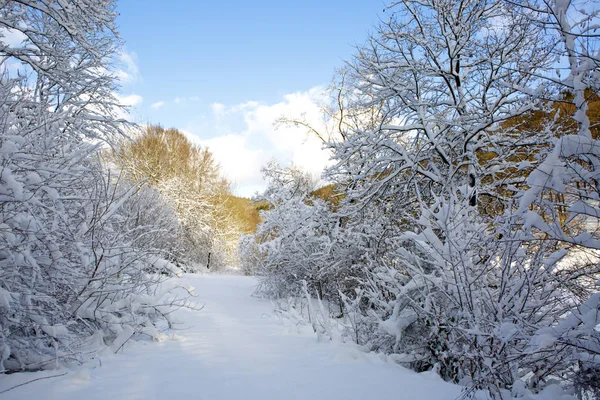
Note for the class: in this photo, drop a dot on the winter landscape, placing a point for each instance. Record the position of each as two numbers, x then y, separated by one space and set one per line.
426 226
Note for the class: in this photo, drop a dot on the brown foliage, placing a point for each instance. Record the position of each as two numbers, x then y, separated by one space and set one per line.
189 177
526 129
331 194
245 211
158 154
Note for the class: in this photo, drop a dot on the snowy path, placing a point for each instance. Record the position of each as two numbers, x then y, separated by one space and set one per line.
234 349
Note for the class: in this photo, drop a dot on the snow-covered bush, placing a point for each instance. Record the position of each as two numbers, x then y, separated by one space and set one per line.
80 251
291 243
474 294
449 248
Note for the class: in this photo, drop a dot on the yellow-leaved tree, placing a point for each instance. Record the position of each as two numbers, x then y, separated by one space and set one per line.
189 178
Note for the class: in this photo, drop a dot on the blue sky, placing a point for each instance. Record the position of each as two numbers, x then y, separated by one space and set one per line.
219 70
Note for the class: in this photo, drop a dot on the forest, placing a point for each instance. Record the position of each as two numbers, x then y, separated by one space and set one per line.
456 230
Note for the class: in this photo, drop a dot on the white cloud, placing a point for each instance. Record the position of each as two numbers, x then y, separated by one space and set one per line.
243 151
184 99
128 71
244 106
157 105
239 162
177 100
15 39
12 37
218 109
130 100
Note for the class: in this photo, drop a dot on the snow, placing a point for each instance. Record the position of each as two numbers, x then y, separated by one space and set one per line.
235 347
5 298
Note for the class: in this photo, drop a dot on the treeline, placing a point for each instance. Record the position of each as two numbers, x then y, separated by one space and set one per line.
210 219
461 233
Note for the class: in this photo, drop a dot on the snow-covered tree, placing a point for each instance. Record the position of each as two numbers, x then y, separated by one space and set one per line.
80 256
188 177
566 179
287 246
469 292
459 219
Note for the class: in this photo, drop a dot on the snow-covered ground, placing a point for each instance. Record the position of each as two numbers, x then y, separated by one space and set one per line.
234 348
237 348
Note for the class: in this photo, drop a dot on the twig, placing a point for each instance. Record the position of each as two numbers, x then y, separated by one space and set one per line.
123 344
33 380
